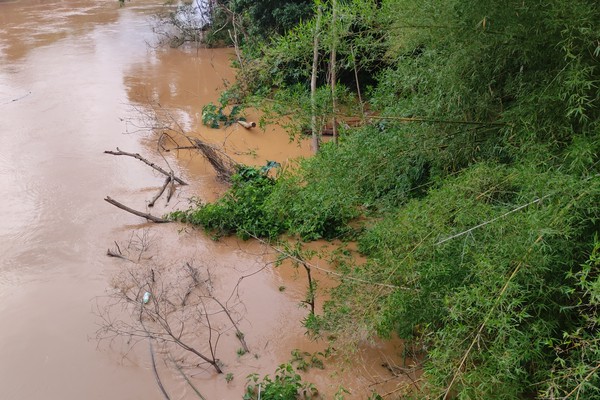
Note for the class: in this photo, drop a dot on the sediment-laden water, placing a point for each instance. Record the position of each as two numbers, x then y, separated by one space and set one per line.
77 78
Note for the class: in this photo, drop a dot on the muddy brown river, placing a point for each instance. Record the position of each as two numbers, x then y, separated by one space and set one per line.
78 77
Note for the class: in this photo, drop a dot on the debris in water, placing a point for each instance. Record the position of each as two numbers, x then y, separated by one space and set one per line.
146 297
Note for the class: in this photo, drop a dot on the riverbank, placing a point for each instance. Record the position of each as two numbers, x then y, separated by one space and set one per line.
82 74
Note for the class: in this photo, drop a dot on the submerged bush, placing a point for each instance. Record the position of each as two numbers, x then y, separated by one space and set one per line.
241 210
285 385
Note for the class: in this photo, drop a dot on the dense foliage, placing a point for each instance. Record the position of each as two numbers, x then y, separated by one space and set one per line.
476 174
286 384
267 17
241 210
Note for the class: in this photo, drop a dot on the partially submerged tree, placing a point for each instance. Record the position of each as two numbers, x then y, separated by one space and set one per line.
175 307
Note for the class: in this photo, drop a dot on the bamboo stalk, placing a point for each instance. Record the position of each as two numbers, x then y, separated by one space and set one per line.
313 83
332 69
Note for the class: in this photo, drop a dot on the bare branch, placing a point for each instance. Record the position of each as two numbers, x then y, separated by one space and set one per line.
161 191
135 212
149 163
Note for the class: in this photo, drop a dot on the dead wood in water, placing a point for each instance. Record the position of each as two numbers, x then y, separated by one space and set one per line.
224 165
118 253
160 192
139 157
153 361
149 217
247 124
150 296
171 188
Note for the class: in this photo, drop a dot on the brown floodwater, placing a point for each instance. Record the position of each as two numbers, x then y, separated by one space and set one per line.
78 77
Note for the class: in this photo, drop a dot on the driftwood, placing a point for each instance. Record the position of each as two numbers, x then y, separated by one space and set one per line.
151 164
135 212
246 124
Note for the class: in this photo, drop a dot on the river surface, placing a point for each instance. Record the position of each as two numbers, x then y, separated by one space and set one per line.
79 77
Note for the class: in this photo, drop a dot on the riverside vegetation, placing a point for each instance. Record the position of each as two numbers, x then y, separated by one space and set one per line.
471 182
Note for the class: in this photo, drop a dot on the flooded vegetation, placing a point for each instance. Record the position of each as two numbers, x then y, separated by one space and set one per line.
159 241
81 77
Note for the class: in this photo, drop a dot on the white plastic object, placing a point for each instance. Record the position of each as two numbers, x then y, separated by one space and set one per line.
146 297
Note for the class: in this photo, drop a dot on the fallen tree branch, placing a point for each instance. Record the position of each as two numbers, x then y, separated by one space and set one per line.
149 163
182 148
224 165
171 188
135 212
161 191
154 370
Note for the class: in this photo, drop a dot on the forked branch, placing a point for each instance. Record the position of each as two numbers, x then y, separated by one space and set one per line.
149 163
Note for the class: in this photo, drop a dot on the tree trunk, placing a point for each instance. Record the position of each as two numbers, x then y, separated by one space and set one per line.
332 66
313 84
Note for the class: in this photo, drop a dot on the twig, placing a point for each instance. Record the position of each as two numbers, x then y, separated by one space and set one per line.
149 163
183 148
156 376
111 253
239 334
399 388
582 382
185 377
514 210
135 212
16 99
158 381
324 270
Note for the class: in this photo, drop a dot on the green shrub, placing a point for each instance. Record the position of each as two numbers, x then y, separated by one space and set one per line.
285 385
241 210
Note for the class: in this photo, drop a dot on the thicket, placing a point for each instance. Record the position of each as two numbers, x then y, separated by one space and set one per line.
475 175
